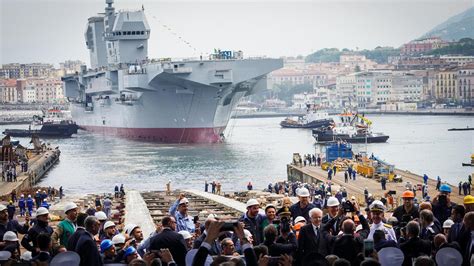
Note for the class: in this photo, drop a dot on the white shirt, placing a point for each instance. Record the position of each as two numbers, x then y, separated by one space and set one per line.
315 229
387 229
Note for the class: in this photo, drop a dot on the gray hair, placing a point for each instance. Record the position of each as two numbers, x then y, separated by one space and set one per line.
90 222
314 210
413 228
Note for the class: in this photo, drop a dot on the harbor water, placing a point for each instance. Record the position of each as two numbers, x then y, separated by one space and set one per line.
256 150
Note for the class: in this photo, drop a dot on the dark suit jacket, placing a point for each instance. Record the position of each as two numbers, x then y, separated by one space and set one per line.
464 240
327 218
308 242
173 241
72 242
413 248
348 247
88 251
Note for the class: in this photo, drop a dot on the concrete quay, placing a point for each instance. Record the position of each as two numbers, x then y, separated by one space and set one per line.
38 166
314 174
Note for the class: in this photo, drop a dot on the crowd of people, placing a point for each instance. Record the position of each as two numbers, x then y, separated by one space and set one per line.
336 232
9 171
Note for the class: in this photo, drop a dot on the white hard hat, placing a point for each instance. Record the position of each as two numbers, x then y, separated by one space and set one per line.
303 192
69 206
300 219
333 201
185 234
101 216
10 236
2 207
252 202
108 224
118 239
318 196
41 211
448 223
129 228
183 201
22 195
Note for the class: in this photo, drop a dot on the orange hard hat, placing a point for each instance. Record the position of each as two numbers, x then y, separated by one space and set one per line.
408 194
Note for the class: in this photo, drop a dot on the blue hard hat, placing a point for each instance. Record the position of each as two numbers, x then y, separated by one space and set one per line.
129 251
105 244
445 188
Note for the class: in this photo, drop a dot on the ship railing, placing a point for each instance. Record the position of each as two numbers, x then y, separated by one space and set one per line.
179 70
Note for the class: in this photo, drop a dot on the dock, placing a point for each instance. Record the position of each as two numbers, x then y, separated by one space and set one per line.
314 174
38 166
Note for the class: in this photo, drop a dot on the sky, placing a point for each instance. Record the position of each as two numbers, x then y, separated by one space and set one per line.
52 31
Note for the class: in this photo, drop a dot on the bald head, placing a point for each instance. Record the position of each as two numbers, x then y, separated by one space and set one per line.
348 226
439 240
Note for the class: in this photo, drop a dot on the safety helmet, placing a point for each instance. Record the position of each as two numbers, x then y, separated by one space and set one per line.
69 206
41 211
445 188
333 201
408 194
105 244
10 236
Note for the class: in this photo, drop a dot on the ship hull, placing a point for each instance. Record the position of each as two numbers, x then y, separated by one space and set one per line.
165 135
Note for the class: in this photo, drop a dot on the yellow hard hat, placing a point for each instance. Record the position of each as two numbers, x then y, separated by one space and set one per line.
468 199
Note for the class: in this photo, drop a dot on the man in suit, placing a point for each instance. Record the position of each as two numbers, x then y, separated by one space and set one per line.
411 244
346 245
86 246
80 229
215 249
170 239
311 238
333 209
466 238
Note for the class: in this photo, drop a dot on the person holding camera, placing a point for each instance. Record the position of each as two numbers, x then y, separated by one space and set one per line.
275 247
213 231
442 205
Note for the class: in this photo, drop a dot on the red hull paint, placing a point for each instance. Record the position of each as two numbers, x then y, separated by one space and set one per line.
166 135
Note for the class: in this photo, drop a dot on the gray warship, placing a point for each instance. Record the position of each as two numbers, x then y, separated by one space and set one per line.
126 94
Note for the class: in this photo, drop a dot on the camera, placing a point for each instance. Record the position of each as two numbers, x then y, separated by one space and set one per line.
229 226
443 200
347 206
285 224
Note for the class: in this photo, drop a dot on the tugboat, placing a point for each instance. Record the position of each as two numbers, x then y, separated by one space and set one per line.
355 128
312 119
52 124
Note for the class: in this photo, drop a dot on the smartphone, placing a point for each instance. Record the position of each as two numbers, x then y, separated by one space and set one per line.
273 261
368 247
